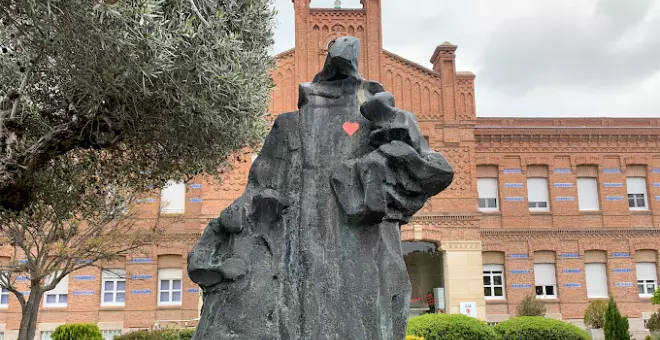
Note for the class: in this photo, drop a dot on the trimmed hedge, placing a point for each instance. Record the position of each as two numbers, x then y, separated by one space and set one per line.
539 328
77 331
165 334
450 327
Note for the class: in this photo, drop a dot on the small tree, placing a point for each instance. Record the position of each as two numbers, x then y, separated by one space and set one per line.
616 327
47 244
531 306
594 315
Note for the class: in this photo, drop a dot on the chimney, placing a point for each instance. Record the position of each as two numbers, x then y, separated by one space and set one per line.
444 52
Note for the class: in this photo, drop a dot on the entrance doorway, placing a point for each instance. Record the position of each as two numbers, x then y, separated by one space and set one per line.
425 269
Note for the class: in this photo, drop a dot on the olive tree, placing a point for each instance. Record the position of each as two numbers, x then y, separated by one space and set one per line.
106 96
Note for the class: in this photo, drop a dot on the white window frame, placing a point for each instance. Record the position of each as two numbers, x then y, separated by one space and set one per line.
532 188
115 276
61 290
491 271
4 294
644 280
545 285
595 283
109 334
636 193
170 275
486 184
176 206
590 189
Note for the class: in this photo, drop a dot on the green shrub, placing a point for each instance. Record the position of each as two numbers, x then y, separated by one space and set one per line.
616 327
531 306
539 328
654 322
165 334
77 331
594 316
449 327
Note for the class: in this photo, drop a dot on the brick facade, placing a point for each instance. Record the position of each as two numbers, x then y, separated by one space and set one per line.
513 149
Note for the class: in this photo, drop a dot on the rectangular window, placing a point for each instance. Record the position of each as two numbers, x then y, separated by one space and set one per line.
636 193
488 193
546 281
596 275
173 198
4 296
537 194
46 335
647 279
57 297
169 286
493 276
588 193
109 334
113 287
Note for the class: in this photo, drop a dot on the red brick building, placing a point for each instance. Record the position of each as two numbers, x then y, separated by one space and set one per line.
567 210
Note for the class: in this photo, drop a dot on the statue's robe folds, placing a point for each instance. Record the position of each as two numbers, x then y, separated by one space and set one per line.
312 249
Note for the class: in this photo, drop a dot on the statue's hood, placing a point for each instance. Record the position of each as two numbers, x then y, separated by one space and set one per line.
342 60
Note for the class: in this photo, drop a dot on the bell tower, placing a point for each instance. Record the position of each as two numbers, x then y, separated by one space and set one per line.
317 27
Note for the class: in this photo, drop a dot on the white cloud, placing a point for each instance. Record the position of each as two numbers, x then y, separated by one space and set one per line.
532 58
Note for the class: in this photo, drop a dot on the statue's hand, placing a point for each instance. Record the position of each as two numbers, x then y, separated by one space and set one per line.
391 124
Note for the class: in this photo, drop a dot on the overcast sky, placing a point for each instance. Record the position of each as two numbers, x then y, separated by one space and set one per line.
532 58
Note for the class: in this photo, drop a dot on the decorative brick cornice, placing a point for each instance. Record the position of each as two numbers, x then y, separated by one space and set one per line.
461 245
443 218
399 59
525 234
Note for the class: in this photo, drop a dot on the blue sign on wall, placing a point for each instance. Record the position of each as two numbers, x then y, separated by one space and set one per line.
656 185
193 290
565 198
84 261
83 277
612 171
563 171
25 293
657 198
656 170
512 171
515 199
520 271
620 254
570 255
196 186
572 285
522 285
83 292
614 198
145 200
513 185
519 256
196 200
622 270
613 185
563 185
624 284
22 278
141 277
571 271
141 260
141 291
22 261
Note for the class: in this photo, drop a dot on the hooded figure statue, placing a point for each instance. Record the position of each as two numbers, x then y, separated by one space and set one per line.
312 249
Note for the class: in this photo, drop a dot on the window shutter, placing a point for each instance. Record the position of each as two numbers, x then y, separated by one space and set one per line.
114 274
173 197
646 271
487 187
596 275
537 189
62 287
170 274
544 274
636 185
493 267
587 193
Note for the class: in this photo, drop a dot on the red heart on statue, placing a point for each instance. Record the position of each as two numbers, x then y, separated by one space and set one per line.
351 128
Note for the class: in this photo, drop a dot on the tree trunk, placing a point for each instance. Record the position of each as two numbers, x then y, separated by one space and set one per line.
29 315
